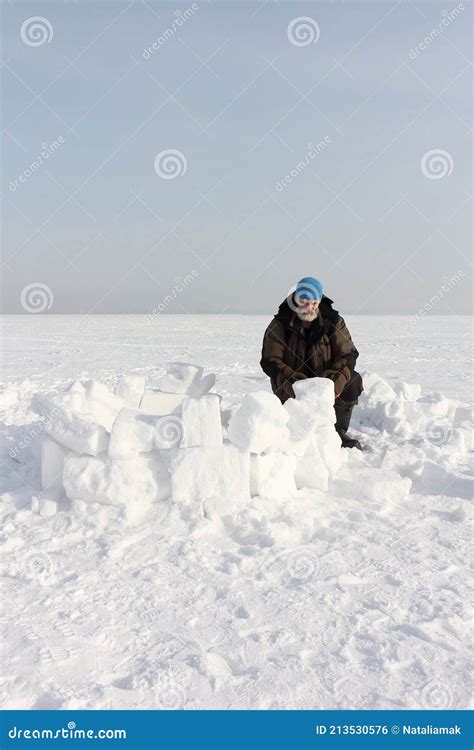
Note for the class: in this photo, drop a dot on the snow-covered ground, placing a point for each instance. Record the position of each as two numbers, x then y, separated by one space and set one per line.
346 598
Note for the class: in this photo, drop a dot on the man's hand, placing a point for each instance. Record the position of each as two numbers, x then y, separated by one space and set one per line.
299 376
338 379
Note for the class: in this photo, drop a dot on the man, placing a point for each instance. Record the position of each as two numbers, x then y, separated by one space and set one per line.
308 339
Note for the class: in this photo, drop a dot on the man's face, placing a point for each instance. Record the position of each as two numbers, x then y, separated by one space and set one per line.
307 310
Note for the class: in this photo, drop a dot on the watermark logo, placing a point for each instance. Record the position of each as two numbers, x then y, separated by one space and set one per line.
36 297
169 694
436 696
47 150
445 288
178 289
306 291
168 431
36 31
437 433
303 31
312 153
437 164
170 164
299 564
64 733
448 18
36 565
32 434
302 564
180 19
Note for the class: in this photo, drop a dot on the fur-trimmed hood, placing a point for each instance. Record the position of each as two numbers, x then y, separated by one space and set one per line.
287 317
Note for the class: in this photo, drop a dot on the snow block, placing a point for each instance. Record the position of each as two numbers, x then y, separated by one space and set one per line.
52 462
133 485
74 401
408 391
168 434
437 405
379 485
326 442
260 424
180 377
47 506
77 387
272 476
392 409
318 395
132 433
303 421
201 422
96 391
77 434
204 386
8 397
460 440
414 417
198 473
130 389
48 404
102 404
311 473
376 388
160 404
395 426
404 460
46 503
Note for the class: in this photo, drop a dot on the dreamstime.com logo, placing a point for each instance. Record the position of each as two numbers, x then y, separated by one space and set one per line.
436 696
178 289
169 431
36 565
298 565
448 17
180 19
36 297
169 695
32 434
312 153
303 31
438 296
436 164
437 432
170 164
36 31
70 732
47 150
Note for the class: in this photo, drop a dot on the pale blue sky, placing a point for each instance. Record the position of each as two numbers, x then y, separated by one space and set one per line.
105 233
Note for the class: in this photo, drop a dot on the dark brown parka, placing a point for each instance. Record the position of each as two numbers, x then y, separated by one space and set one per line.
291 352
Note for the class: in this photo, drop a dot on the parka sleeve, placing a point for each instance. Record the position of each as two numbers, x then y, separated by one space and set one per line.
273 349
344 355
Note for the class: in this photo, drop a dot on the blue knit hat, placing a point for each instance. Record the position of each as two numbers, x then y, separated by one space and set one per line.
309 288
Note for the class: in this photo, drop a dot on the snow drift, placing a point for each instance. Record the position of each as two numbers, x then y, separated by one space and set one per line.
166 547
138 446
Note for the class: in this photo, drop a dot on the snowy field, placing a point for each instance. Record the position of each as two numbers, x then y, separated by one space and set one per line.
354 596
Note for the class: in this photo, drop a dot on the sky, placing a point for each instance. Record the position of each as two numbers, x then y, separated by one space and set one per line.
202 157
